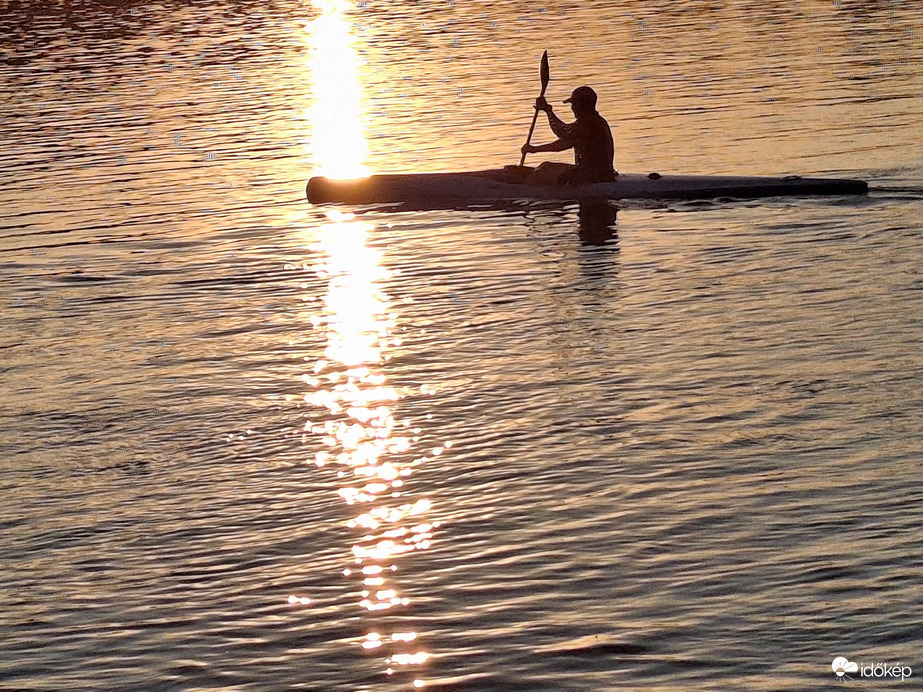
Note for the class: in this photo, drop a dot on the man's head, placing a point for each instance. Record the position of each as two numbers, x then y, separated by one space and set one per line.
583 100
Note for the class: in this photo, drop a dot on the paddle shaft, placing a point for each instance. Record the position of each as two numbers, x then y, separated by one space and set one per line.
544 76
522 161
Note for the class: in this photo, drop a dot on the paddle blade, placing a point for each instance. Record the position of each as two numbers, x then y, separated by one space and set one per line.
545 77
545 73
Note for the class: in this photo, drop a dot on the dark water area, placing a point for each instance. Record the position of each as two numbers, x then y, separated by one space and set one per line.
247 443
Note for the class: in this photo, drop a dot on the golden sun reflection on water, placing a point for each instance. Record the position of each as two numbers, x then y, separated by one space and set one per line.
353 419
339 148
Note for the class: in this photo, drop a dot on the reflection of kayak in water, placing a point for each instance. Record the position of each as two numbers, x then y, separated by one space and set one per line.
509 184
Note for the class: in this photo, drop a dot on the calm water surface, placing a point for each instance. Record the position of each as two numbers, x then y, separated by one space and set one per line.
251 444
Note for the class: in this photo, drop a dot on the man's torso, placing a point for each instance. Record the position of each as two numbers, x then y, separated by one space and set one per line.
593 146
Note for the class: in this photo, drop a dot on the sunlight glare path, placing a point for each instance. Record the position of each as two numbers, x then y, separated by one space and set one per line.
339 148
353 423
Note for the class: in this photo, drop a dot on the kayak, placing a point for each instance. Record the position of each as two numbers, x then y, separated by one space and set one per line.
498 185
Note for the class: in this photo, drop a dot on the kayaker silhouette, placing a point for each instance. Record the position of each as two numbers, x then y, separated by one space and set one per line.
589 136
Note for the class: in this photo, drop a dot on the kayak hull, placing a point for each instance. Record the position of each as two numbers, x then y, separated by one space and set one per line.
489 186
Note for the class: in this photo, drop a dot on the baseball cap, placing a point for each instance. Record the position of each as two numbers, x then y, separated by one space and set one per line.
583 94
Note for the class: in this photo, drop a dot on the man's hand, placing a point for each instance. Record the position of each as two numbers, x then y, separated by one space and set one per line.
542 105
529 149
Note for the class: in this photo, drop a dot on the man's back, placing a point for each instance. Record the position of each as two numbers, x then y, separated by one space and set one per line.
593 145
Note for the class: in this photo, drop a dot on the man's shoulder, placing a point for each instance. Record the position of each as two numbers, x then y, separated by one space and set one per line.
592 124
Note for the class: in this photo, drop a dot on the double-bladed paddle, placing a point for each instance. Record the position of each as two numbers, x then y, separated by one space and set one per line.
545 77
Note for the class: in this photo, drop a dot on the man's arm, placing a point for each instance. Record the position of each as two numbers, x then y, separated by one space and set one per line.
559 127
558 145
